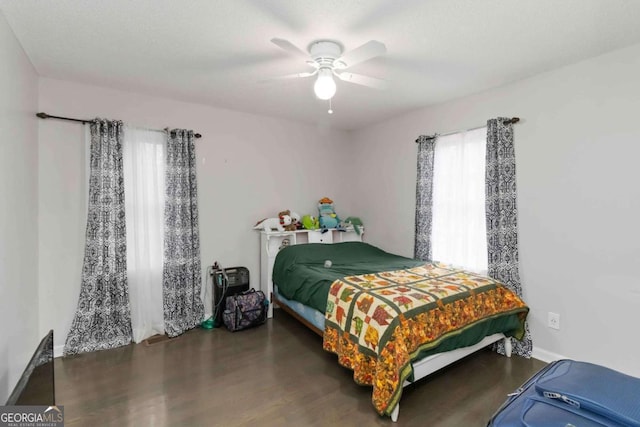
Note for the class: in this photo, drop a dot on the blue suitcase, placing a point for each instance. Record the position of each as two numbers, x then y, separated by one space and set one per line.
569 393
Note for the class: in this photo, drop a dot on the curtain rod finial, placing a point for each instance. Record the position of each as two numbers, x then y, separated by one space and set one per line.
42 115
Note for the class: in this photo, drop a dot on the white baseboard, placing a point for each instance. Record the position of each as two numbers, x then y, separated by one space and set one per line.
536 353
545 355
58 350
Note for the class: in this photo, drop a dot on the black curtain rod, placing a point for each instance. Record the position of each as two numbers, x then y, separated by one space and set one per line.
512 120
49 116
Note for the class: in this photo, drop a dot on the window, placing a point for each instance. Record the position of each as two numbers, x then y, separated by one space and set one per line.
143 164
144 170
459 234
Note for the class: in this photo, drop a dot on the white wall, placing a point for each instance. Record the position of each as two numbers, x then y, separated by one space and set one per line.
249 167
18 206
577 151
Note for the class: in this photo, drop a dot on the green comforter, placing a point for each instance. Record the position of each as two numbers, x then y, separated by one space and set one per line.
300 273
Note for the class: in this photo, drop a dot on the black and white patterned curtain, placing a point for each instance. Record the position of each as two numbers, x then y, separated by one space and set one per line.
502 216
181 281
103 317
424 198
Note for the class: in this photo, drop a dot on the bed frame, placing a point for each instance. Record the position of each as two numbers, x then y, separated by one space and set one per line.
423 367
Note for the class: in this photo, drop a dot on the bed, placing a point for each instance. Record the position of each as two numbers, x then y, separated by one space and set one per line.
392 320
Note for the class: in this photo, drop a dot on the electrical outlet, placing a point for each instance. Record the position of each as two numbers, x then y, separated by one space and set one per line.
553 320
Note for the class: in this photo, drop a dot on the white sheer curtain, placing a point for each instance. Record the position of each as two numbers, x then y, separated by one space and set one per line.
144 172
459 234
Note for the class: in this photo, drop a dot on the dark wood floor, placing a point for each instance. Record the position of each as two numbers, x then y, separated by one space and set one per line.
273 375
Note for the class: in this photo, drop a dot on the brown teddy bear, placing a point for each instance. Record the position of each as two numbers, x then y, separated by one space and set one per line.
292 225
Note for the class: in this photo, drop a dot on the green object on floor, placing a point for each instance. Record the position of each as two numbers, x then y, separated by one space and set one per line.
207 324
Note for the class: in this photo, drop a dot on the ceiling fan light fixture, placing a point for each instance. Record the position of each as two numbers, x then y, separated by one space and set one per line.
325 86
328 59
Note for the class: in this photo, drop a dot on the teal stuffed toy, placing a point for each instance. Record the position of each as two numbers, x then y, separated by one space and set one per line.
327 214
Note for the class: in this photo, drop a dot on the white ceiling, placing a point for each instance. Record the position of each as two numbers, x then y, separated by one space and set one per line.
215 52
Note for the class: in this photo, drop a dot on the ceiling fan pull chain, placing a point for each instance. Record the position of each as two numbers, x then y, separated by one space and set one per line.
330 109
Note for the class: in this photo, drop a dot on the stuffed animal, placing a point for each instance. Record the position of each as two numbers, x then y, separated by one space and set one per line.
269 224
310 222
327 215
292 225
354 222
284 244
295 220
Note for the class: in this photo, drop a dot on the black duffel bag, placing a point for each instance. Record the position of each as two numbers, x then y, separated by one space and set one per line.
245 310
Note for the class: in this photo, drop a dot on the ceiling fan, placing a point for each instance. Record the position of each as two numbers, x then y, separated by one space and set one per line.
329 60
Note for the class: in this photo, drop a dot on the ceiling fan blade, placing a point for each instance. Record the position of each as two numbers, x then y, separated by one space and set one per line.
360 54
289 77
360 79
289 47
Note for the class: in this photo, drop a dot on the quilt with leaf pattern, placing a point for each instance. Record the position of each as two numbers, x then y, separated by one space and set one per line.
378 323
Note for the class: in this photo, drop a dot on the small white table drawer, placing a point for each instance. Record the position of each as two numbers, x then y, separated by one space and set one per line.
319 237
